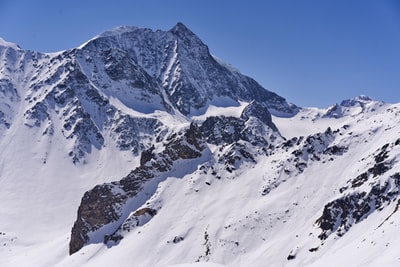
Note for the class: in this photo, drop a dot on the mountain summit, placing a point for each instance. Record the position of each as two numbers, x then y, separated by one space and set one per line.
140 147
181 65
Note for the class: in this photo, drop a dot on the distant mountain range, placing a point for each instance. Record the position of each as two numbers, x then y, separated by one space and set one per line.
140 148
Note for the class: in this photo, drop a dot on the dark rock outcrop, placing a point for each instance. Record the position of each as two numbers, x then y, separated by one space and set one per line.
104 209
259 111
138 218
357 203
180 63
339 215
222 130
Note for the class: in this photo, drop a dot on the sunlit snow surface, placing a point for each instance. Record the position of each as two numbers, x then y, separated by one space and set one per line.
201 264
244 227
226 219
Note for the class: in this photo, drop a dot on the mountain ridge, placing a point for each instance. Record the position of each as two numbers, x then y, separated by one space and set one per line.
142 141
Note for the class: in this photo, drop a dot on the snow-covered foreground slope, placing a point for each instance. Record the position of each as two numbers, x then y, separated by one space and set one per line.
135 150
233 220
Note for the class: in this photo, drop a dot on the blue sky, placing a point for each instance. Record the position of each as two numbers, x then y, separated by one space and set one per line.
312 52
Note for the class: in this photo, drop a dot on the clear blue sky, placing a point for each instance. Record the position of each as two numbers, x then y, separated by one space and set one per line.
312 52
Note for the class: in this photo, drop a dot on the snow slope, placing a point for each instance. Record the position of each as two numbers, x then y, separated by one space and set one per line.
225 186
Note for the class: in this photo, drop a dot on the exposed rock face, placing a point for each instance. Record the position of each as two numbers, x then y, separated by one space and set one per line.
352 106
259 111
170 71
221 130
340 215
99 207
134 134
103 212
235 155
155 99
304 151
334 111
175 72
253 126
360 198
180 63
138 218
107 205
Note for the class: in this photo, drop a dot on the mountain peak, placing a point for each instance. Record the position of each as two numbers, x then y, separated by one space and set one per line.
193 77
359 100
182 31
151 131
180 27
364 97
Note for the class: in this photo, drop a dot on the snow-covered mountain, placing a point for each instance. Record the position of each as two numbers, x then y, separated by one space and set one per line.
141 148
